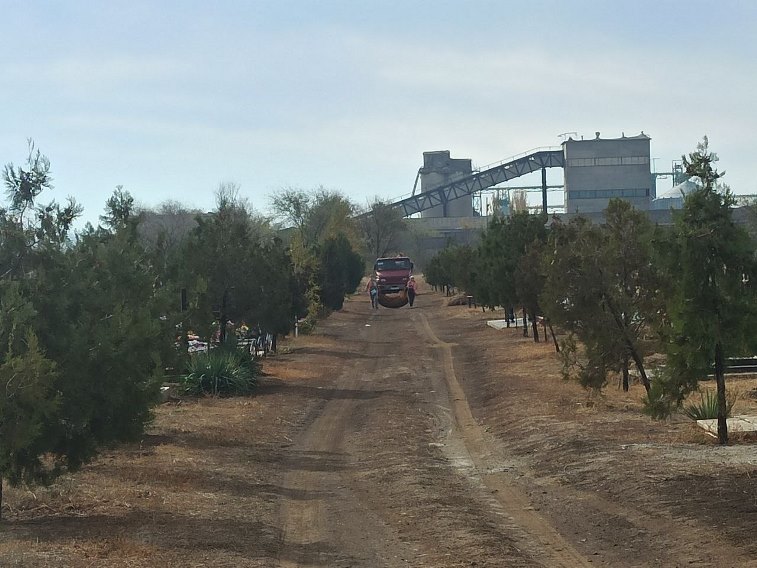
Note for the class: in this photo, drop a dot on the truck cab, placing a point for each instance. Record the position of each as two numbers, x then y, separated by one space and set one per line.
391 274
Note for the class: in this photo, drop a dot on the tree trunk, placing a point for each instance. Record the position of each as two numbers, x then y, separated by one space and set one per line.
535 326
629 344
222 318
1 498
639 365
720 380
554 339
625 375
525 323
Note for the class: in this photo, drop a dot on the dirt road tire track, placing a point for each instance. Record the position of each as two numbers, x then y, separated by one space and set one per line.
616 517
336 521
324 524
553 549
395 467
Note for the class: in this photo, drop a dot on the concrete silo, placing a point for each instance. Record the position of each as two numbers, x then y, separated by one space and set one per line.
439 169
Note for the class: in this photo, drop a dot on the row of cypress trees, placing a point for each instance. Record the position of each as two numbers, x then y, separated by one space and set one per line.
91 321
626 289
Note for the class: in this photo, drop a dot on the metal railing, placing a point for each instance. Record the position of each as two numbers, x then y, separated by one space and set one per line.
476 170
517 157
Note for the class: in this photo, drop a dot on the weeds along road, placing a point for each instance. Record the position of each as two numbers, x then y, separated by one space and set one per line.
391 469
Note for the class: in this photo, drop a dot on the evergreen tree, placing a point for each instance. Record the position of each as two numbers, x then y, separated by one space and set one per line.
497 265
633 297
341 270
529 282
572 298
280 295
222 255
103 328
712 308
32 237
601 287
499 253
28 400
437 271
238 270
79 335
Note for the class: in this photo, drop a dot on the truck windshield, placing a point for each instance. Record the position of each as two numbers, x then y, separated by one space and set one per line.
393 264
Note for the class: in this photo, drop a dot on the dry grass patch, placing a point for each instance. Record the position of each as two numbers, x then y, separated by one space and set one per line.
201 484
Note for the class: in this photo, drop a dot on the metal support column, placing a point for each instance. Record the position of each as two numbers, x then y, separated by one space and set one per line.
544 191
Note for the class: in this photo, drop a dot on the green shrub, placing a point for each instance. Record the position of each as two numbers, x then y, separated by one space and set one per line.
707 407
220 372
658 403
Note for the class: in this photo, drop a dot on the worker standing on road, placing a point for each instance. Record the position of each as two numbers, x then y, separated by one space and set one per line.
373 293
411 289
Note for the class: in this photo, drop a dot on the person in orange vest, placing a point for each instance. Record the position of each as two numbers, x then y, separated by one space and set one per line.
411 289
373 293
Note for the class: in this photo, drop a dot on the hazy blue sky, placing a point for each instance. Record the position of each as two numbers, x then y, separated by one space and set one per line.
169 99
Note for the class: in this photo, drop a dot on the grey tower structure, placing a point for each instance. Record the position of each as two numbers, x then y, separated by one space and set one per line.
600 169
439 169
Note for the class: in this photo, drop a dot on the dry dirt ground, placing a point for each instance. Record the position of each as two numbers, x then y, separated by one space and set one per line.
408 437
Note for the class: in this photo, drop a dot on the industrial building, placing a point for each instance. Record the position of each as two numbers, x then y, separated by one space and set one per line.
440 169
601 169
594 171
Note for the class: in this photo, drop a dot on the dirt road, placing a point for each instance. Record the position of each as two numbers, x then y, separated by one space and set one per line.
409 437
396 470
407 475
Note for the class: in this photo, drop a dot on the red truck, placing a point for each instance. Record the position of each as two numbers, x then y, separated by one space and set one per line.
391 275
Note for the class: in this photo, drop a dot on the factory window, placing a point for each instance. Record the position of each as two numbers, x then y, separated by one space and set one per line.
635 160
613 161
607 161
578 162
608 193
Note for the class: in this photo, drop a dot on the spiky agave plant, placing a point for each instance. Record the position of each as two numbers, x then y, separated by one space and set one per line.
707 407
219 372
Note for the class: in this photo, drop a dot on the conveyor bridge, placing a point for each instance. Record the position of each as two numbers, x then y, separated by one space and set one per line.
483 179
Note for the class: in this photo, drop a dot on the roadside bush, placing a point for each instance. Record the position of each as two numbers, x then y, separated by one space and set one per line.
220 372
707 407
315 310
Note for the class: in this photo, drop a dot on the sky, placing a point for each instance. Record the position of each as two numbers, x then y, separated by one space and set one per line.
170 99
